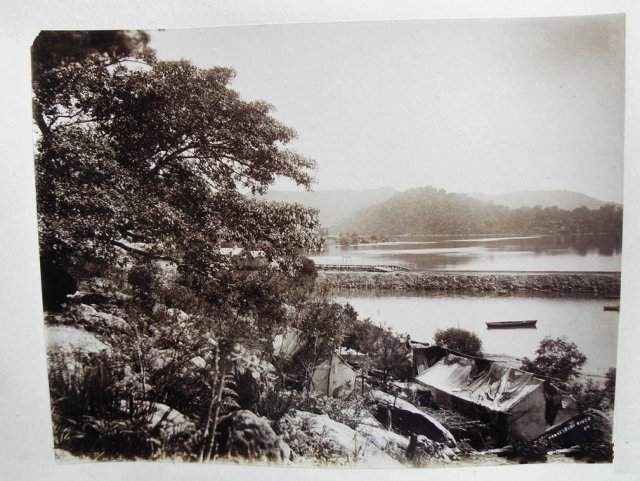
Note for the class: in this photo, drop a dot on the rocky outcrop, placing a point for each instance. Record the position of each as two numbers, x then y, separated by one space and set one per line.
72 349
408 419
246 435
66 340
590 426
97 320
318 439
389 442
422 450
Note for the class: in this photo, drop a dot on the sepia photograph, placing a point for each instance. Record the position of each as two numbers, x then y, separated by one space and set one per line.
376 244
361 244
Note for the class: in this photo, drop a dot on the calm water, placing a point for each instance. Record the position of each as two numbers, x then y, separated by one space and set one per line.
581 320
485 253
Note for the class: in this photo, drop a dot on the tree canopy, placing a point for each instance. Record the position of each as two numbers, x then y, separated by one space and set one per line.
459 340
134 151
557 358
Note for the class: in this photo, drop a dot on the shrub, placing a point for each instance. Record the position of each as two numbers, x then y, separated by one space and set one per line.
557 358
528 451
459 340
589 394
610 385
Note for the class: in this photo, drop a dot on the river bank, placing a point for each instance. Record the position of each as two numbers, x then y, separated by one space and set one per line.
601 284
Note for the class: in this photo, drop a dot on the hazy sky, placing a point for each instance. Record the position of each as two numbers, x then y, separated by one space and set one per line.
465 105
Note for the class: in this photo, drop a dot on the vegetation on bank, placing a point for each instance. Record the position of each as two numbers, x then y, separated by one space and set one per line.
429 211
491 283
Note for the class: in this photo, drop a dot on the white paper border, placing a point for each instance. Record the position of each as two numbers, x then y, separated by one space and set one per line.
26 443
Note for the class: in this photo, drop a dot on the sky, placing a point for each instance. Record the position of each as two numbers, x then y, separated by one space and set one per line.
491 106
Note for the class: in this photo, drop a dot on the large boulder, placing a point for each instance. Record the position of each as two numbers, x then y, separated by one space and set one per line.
391 443
590 426
422 450
318 439
408 419
71 349
246 435
97 320
166 420
66 340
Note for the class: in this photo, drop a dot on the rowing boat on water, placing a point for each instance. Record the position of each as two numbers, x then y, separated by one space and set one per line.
511 324
611 308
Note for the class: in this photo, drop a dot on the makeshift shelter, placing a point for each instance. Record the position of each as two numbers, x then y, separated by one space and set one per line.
514 401
333 377
287 344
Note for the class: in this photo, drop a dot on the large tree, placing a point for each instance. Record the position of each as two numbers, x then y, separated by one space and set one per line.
162 154
139 161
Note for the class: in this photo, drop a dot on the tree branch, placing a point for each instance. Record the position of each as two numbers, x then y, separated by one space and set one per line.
144 253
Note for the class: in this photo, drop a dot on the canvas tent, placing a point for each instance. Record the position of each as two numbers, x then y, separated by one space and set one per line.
333 377
517 402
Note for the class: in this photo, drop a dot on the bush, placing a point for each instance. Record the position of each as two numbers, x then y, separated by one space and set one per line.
610 385
528 451
589 394
557 358
459 340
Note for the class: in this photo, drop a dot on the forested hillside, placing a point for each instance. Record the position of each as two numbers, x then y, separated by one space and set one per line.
434 211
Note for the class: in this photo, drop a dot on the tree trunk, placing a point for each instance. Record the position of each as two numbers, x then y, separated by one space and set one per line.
205 434
216 413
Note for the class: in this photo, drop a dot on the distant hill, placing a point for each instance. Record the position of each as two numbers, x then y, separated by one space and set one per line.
434 211
335 205
563 199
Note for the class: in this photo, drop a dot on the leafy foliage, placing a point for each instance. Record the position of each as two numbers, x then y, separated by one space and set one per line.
557 358
144 170
594 395
387 352
157 155
610 385
459 340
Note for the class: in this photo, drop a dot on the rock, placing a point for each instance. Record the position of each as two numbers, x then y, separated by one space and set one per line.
198 361
167 420
421 449
70 348
407 418
391 443
85 297
178 314
67 340
244 434
99 320
321 440
590 426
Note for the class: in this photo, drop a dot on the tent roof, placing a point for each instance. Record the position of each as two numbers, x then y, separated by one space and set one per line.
498 388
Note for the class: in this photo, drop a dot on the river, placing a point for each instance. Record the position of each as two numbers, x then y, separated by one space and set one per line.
576 253
580 319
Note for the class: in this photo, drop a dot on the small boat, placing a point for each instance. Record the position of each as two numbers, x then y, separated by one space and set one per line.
511 324
611 308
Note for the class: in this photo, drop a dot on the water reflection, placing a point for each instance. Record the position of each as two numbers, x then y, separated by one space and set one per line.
536 253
